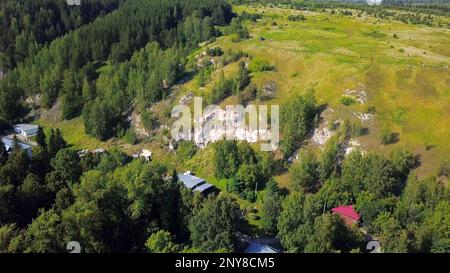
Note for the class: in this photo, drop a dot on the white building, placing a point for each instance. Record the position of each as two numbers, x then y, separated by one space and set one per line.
26 130
146 154
9 145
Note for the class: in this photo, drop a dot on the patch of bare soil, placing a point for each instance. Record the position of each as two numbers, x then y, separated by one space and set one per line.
54 114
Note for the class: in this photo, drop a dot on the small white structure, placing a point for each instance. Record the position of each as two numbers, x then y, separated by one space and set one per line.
99 151
74 2
26 130
146 154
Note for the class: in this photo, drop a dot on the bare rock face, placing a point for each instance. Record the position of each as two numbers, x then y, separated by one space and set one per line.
354 145
34 101
321 136
269 89
359 93
136 122
186 99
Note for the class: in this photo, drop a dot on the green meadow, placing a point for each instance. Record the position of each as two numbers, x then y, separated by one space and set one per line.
403 70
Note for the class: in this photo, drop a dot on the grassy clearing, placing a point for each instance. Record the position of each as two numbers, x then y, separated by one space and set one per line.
404 74
74 133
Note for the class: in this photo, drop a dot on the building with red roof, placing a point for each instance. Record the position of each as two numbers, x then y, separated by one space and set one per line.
348 213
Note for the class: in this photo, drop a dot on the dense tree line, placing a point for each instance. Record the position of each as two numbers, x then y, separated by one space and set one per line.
22 179
29 24
396 8
406 214
144 79
72 61
246 171
107 202
297 119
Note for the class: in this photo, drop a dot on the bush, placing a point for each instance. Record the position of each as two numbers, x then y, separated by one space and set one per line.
250 16
130 136
253 217
251 209
231 56
444 170
213 52
296 18
237 29
260 65
222 89
250 196
387 136
249 93
186 149
204 76
347 100
352 129
147 120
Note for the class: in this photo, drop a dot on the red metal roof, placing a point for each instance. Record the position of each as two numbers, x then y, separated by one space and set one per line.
348 211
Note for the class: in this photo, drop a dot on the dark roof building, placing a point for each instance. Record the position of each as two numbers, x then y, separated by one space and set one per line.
197 184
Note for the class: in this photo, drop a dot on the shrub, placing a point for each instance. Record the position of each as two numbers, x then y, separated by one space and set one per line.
352 129
251 209
296 18
253 217
232 56
387 136
348 100
213 52
260 65
130 136
444 170
186 149
250 196
249 93
238 30
147 120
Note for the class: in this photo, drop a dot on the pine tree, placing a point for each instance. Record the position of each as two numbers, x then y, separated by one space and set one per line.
41 138
243 77
16 145
51 144
175 176
3 153
56 142
59 139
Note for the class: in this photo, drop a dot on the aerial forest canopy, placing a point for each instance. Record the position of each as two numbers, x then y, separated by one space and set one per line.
69 64
27 25
363 103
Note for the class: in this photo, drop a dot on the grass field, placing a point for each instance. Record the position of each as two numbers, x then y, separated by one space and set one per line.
406 75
